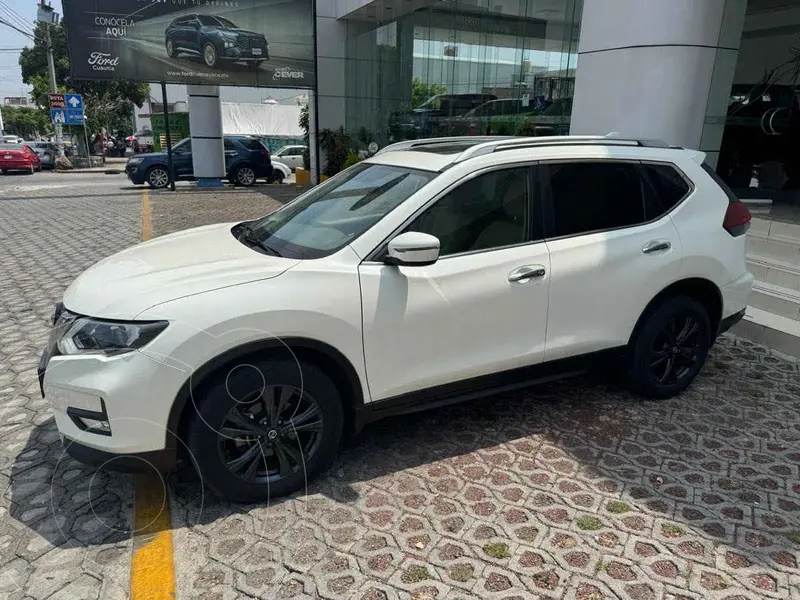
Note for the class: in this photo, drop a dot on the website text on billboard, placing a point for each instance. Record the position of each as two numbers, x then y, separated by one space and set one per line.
266 43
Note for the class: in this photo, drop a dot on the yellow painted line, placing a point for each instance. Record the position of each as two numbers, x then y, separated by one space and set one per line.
147 231
152 563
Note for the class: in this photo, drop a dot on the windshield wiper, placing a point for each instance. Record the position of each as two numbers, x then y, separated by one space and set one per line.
246 237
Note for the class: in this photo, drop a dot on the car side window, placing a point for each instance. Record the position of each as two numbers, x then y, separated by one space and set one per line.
488 211
668 187
229 147
594 196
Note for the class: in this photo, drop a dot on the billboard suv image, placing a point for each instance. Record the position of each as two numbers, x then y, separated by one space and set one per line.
252 43
215 39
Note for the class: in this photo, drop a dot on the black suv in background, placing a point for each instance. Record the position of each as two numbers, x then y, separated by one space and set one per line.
246 159
215 39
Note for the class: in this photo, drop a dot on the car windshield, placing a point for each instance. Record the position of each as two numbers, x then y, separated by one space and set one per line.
335 213
210 21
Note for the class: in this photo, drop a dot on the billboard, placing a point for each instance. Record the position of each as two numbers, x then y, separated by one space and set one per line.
266 43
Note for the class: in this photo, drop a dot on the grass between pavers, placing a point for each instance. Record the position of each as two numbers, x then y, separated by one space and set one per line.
616 506
671 530
589 523
794 536
415 574
497 550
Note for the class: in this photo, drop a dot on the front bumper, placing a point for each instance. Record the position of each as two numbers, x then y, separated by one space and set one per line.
112 406
161 461
135 173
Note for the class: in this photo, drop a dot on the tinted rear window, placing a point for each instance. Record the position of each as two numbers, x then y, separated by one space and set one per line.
251 144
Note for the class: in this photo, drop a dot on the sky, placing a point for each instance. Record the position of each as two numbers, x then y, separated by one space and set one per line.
11 42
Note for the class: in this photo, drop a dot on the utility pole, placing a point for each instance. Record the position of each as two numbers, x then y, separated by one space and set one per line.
47 16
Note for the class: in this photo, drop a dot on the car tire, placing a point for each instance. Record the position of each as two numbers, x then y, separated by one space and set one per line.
210 55
669 347
172 52
277 176
244 175
5 171
246 447
32 170
157 177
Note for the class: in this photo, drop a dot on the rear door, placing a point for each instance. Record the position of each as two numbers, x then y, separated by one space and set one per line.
612 249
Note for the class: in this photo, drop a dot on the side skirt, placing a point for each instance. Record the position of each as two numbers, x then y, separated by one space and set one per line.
485 385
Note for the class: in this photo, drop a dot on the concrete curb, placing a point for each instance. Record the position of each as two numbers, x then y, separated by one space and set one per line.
104 170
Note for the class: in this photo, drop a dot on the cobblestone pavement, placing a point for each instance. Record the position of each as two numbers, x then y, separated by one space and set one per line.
574 490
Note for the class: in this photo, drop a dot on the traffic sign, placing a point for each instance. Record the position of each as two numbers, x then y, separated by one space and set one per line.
66 109
74 101
57 100
66 117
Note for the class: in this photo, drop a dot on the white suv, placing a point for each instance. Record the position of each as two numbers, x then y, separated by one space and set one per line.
435 271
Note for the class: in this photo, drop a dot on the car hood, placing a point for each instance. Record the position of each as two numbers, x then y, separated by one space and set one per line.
169 267
214 28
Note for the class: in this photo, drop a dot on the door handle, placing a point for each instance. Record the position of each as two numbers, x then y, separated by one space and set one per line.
526 273
656 246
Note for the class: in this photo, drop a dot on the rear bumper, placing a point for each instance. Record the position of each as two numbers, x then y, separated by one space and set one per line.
16 165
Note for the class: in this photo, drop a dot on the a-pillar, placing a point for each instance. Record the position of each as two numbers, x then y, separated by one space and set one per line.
205 127
658 69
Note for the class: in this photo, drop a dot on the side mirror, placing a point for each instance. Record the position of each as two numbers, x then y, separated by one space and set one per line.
413 249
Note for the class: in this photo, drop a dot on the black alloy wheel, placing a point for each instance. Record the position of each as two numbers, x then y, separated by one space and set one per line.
669 347
271 436
675 349
264 427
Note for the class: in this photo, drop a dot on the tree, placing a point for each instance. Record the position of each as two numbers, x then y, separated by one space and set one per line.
26 122
108 103
421 91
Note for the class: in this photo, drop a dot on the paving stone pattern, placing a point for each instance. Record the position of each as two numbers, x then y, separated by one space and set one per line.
64 528
574 490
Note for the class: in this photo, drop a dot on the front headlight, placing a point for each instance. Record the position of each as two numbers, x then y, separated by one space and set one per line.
92 336
135 161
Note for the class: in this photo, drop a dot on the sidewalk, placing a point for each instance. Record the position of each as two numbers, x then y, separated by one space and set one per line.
114 165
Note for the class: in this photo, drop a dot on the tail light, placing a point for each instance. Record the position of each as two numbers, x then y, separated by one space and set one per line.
265 154
737 219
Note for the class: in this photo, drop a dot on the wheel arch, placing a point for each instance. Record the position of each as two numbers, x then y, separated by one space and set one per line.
703 290
331 360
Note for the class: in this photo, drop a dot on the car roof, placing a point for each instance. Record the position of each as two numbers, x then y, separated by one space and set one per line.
439 154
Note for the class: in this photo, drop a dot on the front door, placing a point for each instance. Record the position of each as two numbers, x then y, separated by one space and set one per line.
182 160
480 309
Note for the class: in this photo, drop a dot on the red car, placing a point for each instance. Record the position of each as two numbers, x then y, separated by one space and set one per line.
18 157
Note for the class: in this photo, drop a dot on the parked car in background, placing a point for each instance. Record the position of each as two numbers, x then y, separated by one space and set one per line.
433 115
555 119
12 139
47 153
246 160
501 117
18 157
291 156
280 172
215 39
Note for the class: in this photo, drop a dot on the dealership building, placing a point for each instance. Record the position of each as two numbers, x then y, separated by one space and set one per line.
717 75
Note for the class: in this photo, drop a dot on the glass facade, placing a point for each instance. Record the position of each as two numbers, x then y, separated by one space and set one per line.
463 67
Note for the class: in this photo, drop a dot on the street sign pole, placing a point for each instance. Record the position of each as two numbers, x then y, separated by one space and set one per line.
53 85
169 138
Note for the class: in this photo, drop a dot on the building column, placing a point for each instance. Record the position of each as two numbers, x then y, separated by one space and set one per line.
658 69
205 126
